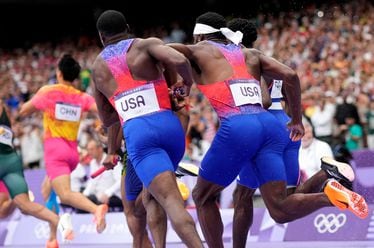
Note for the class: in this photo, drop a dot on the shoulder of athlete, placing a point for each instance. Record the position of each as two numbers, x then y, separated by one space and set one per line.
253 52
98 62
205 44
204 48
46 88
252 55
147 42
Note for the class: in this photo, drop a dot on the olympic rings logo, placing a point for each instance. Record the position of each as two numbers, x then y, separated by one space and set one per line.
329 223
41 230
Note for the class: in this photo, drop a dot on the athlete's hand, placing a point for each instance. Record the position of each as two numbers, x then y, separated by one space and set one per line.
296 131
180 90
177 94
110 161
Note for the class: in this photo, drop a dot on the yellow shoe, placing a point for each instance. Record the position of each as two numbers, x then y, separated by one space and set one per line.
100 217
183 189
343 198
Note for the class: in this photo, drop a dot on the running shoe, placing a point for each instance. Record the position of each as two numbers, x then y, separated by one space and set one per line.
52 244
187 169
343 199
183 189
342 172
65 227
99 217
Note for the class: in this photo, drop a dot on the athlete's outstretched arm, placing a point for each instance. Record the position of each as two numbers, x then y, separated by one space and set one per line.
27 109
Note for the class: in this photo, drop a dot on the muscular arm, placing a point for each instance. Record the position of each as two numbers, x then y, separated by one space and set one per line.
101 76
114 138
271 69
266 99
184 49
171 59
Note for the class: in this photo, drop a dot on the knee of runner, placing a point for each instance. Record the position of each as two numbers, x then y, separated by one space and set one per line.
5 212
139 213
243 196
279 217
243 208
64 197
155 219
22 206
128 211
200 198
196 196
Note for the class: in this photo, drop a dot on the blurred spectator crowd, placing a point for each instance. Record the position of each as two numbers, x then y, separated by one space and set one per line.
331 48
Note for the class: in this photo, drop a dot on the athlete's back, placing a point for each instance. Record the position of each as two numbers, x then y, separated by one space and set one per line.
146 59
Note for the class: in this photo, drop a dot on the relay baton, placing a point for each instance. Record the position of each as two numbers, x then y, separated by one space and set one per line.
102 169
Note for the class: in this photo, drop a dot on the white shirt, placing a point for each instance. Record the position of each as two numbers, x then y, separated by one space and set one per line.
77 181
109 182
31 146
323 120
310 157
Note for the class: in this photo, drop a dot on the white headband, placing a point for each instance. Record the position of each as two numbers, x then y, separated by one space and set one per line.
235 37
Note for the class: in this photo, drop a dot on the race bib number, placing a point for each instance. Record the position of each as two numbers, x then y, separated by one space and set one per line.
276 89
137 102
245 92
67 112
6 136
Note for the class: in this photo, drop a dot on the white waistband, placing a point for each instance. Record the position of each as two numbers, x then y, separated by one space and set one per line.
276 106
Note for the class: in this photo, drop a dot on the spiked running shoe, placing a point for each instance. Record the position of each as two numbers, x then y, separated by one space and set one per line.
99 218
65 227
187 169
342 172
52 244
343 199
